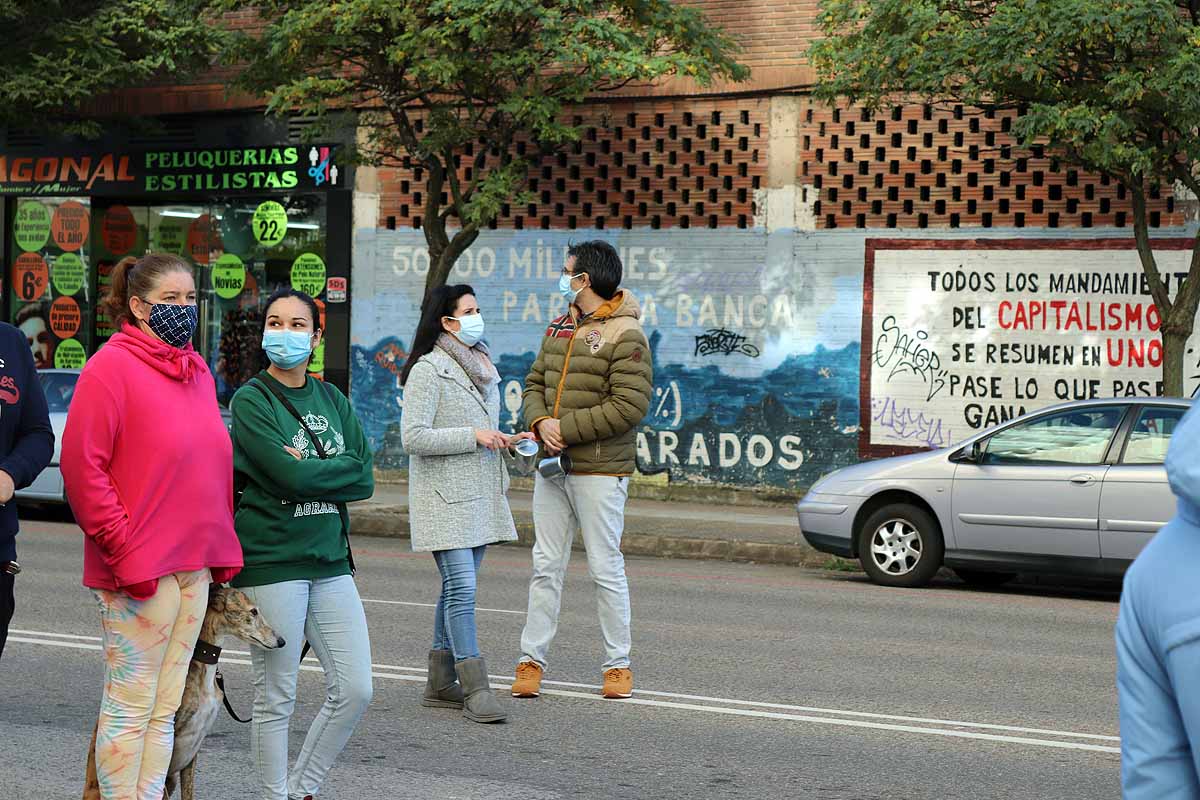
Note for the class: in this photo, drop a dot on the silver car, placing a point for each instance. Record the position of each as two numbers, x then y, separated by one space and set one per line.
59 387
1075 489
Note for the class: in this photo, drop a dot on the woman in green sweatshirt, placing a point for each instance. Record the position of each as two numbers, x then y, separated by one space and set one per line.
300 466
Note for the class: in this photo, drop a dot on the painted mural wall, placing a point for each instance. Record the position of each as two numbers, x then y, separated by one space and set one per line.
756 336
754 340
961 336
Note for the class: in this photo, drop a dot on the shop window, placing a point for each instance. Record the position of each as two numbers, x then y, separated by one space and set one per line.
63 251
52 295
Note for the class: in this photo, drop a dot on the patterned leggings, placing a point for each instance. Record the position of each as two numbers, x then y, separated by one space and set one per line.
147 647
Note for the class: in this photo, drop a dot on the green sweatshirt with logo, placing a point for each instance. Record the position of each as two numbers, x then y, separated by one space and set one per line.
288 519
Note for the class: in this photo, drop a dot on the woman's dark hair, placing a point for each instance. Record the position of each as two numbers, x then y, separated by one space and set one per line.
439 303
137 277
600 261
286 291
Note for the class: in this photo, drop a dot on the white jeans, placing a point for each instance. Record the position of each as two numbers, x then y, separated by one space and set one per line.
329 614
561 506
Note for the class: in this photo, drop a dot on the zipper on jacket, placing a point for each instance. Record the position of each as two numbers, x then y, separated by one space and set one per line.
562 379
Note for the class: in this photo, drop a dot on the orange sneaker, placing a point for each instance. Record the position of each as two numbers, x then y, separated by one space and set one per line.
618 683
529 680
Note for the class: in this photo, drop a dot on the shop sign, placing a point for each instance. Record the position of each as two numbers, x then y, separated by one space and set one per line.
308 274
229 276
68 274
30 277
250 170
270 223
65 317
335 290
70 355
70 226
31 228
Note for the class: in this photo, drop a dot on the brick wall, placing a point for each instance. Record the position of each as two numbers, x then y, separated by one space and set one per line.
698 163
651 164
915 166
773 33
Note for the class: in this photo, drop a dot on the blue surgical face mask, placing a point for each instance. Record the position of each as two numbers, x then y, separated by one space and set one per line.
174 324
564 286
287 349
470 329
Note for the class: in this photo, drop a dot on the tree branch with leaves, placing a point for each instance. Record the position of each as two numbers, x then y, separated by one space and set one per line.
59 56
445 82
1110 86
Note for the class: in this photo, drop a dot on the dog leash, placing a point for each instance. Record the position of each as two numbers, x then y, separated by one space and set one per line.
208 653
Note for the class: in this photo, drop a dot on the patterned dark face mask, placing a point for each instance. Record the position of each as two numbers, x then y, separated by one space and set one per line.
174 324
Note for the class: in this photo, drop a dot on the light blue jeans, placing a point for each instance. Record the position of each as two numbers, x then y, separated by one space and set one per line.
329 614
594 504
454 619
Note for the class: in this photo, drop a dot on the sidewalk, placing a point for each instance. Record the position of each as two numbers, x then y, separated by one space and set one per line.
763 534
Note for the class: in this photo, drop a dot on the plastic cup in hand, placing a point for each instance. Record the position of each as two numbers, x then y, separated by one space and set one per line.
526 447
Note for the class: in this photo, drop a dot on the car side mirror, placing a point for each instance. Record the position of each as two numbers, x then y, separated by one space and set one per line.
969 455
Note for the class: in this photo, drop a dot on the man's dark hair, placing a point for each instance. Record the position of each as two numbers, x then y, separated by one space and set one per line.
600 261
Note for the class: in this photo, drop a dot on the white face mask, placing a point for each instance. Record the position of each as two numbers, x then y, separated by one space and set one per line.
564 286
470 329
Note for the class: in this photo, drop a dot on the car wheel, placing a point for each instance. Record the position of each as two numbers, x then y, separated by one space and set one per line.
901 545
984 578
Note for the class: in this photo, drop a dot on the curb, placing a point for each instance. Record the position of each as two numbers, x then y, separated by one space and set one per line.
651 487
392 521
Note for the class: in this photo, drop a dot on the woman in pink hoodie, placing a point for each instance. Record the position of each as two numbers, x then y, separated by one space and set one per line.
148 467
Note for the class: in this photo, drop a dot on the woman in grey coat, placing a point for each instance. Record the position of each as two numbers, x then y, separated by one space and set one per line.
457 480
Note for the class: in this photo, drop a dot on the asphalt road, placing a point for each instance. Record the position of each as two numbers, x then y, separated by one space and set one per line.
751 681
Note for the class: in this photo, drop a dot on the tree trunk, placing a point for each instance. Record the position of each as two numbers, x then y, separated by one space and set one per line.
1173 367
442 260
1178 315
1178 327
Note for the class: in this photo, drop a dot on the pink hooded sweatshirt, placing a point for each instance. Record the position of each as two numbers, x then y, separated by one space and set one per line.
148 465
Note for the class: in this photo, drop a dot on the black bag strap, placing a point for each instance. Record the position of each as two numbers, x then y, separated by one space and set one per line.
273 388
269 385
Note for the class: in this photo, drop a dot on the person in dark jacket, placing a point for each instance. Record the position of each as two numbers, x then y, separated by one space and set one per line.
26 447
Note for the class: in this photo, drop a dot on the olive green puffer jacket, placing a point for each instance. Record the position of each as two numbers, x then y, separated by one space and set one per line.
594 375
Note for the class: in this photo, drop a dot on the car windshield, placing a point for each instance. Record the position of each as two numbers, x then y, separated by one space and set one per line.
59 387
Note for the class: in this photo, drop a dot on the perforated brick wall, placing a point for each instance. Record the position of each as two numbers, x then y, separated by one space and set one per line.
917 166
638 165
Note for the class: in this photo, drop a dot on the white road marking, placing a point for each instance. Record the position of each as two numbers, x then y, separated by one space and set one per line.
434 605
852 719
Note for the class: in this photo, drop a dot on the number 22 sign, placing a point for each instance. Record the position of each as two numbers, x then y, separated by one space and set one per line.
270 223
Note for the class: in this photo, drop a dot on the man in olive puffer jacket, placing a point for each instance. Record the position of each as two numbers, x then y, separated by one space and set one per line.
588 390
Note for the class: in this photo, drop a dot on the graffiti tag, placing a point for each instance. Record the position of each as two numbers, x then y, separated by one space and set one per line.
904 424
908 354
718 341
391 358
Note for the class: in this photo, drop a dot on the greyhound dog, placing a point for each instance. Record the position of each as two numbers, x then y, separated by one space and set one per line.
230 613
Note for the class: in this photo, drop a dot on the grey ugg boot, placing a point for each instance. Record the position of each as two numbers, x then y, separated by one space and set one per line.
480 705
442 689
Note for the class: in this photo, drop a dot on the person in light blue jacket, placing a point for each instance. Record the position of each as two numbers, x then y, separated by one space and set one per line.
1158 642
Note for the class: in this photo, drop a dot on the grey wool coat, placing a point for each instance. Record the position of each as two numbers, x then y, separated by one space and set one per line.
456 488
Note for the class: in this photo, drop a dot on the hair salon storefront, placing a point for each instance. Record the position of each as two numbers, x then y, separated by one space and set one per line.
250 220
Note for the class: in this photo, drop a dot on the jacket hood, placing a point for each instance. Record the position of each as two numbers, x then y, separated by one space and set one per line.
182 364
1183 465
622 304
